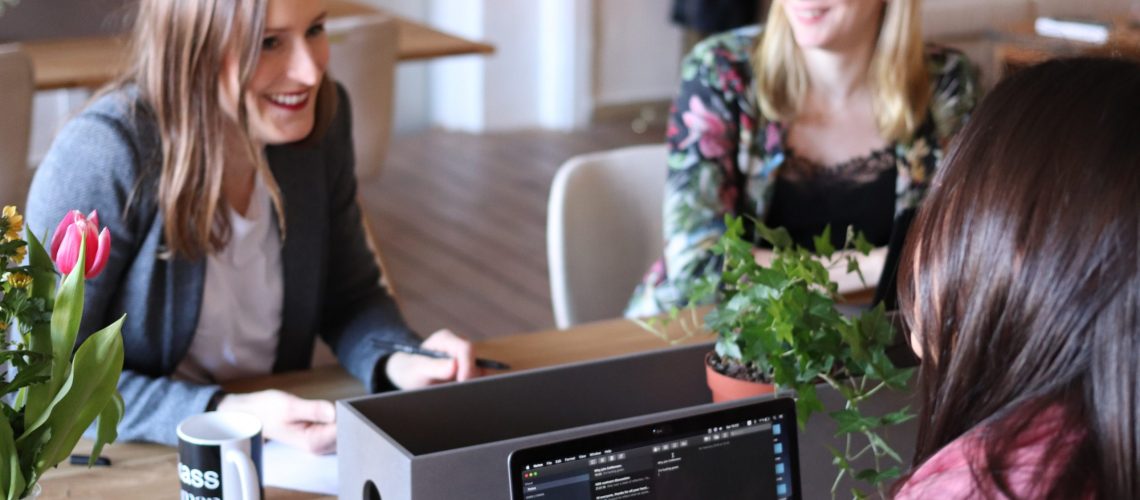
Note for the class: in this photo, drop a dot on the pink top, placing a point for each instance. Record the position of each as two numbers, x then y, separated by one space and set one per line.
947 474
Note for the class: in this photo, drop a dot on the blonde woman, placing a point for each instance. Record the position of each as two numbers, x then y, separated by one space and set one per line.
222 164
833 113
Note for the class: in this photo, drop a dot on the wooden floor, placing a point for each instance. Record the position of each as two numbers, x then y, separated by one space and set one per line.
461 222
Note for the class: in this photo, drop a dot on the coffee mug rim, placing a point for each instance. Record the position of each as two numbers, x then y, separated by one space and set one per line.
248 419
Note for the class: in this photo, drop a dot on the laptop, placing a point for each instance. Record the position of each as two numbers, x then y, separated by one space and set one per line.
744 452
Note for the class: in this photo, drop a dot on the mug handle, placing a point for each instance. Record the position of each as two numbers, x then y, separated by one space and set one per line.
250 484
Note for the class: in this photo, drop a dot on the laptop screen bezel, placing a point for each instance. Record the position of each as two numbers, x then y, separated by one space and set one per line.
661 431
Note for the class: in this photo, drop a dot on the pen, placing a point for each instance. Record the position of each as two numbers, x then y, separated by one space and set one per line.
83 459
420 351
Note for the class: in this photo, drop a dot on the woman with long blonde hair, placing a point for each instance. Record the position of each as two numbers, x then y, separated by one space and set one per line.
833 113
222 164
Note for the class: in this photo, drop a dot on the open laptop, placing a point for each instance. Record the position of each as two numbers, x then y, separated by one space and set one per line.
744 452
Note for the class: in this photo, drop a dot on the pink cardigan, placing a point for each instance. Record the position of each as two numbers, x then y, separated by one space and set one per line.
948 475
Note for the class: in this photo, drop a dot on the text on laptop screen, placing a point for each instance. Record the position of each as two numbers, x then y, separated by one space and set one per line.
746 454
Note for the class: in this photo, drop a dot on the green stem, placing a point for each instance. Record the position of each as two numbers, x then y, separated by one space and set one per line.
872 392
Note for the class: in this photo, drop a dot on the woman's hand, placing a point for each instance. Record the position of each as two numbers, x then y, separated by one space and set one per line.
308 424
409 371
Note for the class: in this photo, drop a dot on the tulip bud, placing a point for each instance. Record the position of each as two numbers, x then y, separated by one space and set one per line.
72 232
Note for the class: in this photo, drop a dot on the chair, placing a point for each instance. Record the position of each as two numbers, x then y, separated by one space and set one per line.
603 230
17 87
363 59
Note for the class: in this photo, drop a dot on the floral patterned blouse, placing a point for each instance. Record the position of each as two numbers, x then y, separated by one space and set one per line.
723 155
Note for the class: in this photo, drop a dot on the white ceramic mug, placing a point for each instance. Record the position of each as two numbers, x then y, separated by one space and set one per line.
219 457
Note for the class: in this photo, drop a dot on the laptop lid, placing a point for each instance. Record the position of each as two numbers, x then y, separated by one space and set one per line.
745 452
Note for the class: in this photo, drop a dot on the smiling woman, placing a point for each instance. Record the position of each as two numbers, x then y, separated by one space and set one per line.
281 93
222 162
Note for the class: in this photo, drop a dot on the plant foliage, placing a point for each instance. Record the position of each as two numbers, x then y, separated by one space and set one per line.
48 395
780 321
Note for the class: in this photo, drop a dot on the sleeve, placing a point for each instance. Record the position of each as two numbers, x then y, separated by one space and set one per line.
93 165
703 183
956 92
358 310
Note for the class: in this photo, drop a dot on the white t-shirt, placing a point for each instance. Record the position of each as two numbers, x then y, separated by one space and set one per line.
240 319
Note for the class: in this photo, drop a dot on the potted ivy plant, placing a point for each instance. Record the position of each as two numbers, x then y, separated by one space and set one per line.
778 327
52 392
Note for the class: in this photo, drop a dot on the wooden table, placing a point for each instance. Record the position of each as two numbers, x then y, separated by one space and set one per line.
148 471
1020 46
91 62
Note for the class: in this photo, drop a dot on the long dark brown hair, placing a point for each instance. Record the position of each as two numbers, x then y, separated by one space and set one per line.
1020 279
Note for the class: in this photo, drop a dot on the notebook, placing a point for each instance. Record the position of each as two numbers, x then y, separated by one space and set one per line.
744 452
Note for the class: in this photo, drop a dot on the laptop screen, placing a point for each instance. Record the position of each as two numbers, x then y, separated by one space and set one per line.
746 452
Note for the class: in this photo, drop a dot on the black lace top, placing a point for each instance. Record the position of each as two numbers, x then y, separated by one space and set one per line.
859 192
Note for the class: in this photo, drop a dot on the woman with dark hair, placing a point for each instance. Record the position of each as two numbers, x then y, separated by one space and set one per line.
222 164
1021 286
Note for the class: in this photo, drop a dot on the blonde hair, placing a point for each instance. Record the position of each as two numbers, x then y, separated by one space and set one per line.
179 48
898 77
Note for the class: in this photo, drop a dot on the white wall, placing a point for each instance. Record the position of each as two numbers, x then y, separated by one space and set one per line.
638 53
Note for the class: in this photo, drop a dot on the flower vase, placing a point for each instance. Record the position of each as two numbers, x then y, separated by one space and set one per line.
34 493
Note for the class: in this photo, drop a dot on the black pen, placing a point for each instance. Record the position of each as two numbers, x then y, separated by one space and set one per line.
420 351
78 459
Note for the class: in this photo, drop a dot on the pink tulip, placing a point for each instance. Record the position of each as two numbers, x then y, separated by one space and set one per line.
71 233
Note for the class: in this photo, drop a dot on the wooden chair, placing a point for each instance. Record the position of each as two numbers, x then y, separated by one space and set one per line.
17 87
363 52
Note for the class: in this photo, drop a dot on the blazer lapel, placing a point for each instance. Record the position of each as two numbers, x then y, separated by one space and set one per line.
299 173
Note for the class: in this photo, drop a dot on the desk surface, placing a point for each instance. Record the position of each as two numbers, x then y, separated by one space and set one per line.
1019 45
146 471
91 62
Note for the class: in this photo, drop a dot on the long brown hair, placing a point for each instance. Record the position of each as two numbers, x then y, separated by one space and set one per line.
1021 280
898 75
178 50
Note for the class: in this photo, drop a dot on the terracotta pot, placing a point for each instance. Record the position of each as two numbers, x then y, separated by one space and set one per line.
725 388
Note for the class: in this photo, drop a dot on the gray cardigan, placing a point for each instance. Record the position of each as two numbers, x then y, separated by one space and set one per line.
108 159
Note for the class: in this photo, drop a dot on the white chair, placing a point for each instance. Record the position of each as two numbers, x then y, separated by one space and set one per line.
603 230
363 53
17 87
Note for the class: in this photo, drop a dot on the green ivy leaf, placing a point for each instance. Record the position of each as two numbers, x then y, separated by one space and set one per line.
883 447
823 244
876 477
897 417
851 421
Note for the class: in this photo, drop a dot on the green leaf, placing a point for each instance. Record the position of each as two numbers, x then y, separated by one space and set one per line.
882 446
861 244
11 477
108 428
38 397
850 421
90 385
66 314
897 417
875 477
778 237
839 460
823 244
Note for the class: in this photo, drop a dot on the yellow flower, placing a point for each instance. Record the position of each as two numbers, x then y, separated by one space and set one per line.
18 280
3 326
15 223
18 257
